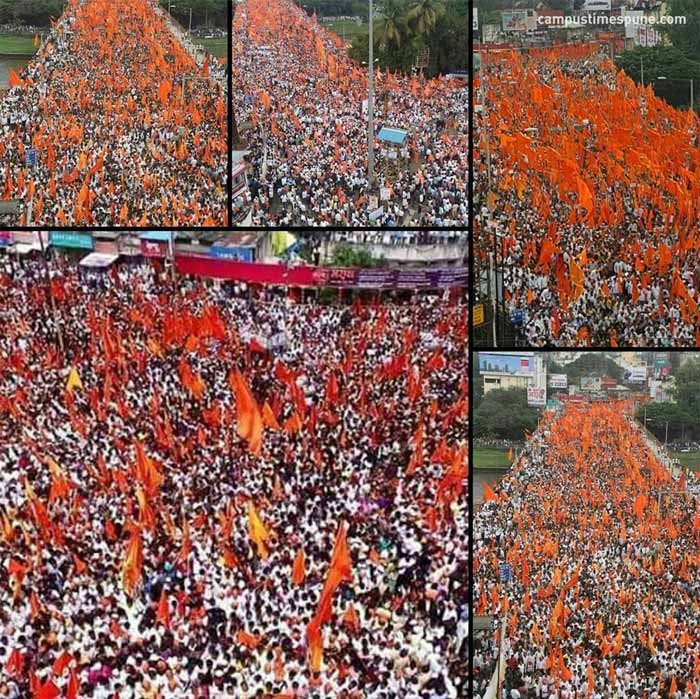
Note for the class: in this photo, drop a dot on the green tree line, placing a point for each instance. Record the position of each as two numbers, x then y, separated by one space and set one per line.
683 414
39 12
405 28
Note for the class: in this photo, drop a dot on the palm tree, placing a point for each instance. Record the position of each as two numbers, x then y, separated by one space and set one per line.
391 25
423 15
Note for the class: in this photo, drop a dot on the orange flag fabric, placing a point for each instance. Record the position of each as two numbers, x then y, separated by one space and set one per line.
489 494
133 563
299 568
250 424
257 530
15 80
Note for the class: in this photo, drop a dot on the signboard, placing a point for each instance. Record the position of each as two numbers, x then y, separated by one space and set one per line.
536 397
231 252
637 374
30 157
154 248
5 238
518 20
597 6
478 315
69 239
513 363
490 34
475 19
590 383
558 381
662 363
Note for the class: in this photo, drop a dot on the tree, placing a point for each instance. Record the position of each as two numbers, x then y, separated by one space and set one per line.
669 62
392 26
351 256
504 414
423 15
687 390
588 364
659 414
684 37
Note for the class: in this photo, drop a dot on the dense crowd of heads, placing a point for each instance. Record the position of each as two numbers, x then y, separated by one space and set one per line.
114 123
590 183
301 96
149 550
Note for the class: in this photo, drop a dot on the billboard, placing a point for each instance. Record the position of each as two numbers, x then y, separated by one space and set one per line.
558 381
515 20
304 275
590 383
515 364
637 374
536 397
597 6
662 363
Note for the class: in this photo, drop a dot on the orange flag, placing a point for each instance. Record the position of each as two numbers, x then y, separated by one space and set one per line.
489 494
249 419
269 419
585 198
133 563
257 531
163 613
73 686
665 257
15 80
299 568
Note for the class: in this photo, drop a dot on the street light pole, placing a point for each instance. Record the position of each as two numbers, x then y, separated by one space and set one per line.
370 101
692 96
189 29
51 296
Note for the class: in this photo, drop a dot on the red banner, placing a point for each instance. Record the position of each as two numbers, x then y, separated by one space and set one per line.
253 273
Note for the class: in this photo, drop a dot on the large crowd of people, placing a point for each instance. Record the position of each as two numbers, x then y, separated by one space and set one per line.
302 96
184 514
590 184
601 539
114 122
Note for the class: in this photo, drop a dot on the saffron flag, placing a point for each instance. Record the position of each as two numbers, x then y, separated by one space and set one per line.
299 568
133 563
249 419
15 80
489 494
74 380
257 530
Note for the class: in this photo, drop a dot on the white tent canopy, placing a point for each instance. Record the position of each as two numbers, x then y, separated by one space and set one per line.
97 260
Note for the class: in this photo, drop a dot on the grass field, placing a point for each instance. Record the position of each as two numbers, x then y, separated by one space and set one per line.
690 459
216 47
346 28
491 458
19 44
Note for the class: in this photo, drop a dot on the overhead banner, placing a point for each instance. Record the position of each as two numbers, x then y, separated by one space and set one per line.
302 275
558 381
